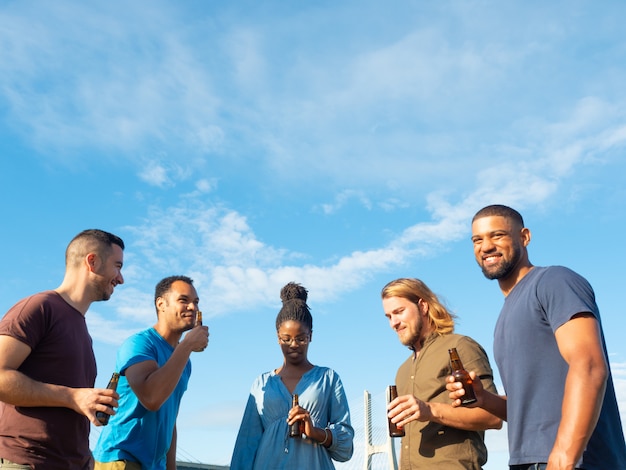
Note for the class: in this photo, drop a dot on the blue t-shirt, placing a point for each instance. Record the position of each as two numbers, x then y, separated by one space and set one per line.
134 433
533 371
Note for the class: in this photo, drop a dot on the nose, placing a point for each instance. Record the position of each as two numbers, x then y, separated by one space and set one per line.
486 245
120 278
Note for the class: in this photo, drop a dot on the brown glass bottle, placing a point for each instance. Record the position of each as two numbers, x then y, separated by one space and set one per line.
461 375
394 431
295 429
101 415
198 318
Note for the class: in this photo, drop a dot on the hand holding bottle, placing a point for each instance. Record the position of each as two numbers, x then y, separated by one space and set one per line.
198 336
457 391
300 422
404 409
463 377
103 416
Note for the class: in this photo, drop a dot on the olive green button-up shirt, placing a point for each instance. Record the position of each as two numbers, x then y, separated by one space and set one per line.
429 445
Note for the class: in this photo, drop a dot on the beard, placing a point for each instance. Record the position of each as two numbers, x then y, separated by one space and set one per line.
414 336
504 268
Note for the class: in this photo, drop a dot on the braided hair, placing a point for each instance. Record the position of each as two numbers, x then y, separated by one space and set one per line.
294 306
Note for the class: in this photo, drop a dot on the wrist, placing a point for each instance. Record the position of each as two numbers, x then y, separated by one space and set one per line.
327 437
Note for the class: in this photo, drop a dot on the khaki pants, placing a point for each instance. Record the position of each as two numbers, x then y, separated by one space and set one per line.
4 463
118 465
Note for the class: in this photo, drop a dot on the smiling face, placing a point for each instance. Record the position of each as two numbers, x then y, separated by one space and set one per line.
177 307
500 248
294 338
108 272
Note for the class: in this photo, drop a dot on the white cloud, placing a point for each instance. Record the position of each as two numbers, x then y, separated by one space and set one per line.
343 198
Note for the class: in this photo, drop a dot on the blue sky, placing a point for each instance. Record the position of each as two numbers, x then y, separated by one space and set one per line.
336 144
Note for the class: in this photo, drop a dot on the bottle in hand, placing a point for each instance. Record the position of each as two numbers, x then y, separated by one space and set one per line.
394 430
461 375
101 415
295 429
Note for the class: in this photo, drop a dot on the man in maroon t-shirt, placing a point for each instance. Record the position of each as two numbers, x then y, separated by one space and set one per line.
47 364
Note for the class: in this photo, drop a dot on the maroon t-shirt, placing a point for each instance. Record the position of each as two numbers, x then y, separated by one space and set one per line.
62 354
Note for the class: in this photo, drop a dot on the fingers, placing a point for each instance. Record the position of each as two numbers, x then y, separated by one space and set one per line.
198 337
405 410
88 401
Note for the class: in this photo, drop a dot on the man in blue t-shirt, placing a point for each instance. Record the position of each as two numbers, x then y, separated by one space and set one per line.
560 401
154 366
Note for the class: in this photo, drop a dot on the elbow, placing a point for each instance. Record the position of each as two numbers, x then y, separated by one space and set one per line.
150 403
598 374
496 423
601 377
488 421
151 407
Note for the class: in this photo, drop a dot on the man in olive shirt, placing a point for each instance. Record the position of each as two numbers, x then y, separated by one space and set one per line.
438 435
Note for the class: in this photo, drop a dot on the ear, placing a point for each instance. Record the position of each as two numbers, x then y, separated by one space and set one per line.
311 336
159 303
422 305
91 260
525 236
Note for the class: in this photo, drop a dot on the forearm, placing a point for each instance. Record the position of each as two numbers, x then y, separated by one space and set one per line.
582 401
469 419
19 390
494 404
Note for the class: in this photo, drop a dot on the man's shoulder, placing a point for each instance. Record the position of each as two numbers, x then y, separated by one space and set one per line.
37 300
453 340
147 335
556 271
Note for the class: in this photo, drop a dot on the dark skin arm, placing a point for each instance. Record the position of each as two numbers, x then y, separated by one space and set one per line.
490 402
171 453
580 344
153 384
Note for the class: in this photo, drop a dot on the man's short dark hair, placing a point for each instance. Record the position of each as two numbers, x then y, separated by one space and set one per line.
499 210
165 285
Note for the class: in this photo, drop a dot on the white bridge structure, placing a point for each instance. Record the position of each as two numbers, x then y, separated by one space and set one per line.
373 448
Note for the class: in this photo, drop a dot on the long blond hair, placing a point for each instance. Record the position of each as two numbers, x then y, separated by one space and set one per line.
441 320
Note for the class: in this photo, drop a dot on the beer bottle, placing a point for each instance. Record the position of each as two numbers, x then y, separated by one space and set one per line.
461 375
394 430
198 318
101 415
295 429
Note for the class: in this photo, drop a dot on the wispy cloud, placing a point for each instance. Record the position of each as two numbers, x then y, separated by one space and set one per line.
343 198
218 246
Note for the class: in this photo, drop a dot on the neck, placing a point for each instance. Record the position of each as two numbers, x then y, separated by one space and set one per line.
295 369
172 337
75 297
419 345
507 284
